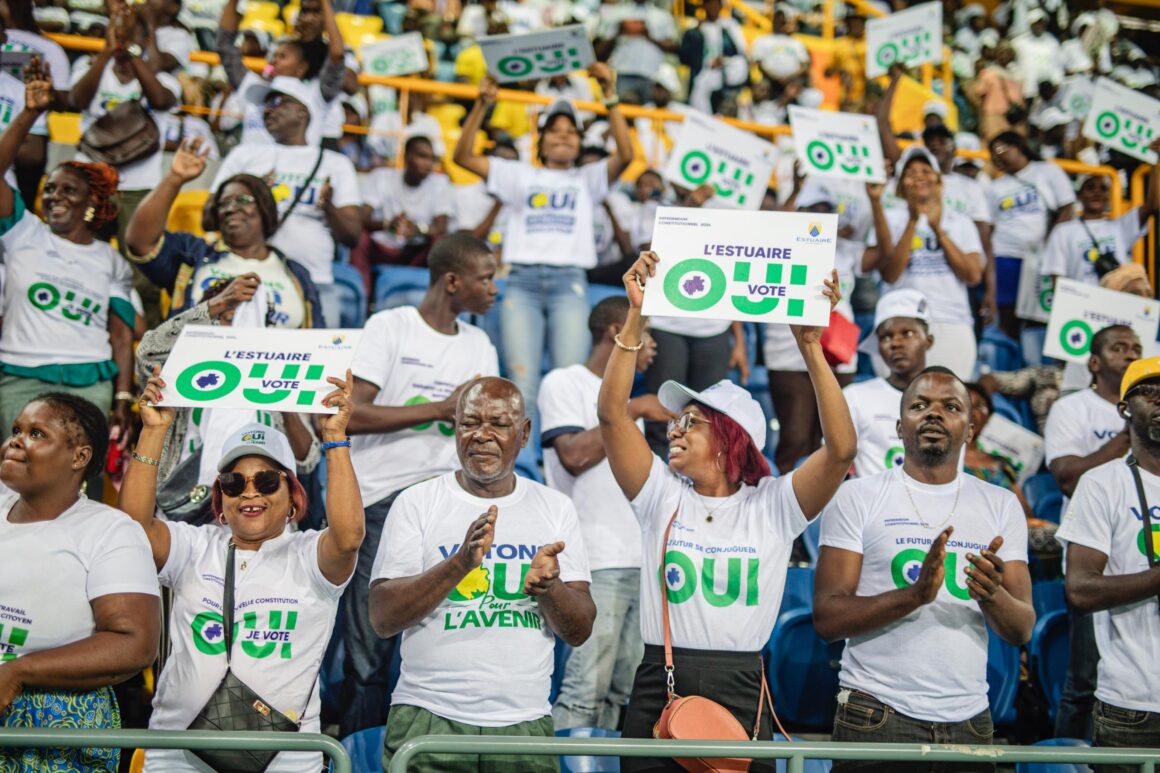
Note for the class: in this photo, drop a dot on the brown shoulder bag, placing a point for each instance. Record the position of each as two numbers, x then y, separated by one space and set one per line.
125 134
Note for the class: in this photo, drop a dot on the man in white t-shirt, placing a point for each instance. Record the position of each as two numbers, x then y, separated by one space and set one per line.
478 568
916 563
316 189
406 210
635 37
1112 574
598 676
1083 431
410 368
902 339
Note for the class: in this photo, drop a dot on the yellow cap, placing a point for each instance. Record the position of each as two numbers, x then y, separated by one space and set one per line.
1140 370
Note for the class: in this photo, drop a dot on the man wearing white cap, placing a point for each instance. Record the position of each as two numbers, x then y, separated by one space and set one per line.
972 19
901 338
316 190
1037 52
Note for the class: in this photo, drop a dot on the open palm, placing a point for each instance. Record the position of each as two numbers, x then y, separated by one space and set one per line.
38 91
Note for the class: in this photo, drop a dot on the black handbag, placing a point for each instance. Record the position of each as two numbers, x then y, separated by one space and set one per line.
182 498
234 706
125 134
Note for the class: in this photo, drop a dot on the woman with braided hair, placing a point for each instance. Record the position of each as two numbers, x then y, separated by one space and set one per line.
68 317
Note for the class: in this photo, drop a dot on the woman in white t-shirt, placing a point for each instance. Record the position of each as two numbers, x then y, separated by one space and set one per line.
713 510
287 583
79 602
934 250
549 240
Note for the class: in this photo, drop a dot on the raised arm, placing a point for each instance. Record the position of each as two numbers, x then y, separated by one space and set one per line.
138 495
622 157
231 57
624 444
1090 590
346 523
465 154
148 222
1152 202
82 93
890 149
333 72
369 418
38 96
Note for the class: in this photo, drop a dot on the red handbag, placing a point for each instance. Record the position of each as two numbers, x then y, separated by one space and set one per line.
840 341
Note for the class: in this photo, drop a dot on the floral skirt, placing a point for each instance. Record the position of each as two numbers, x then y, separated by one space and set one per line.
90 709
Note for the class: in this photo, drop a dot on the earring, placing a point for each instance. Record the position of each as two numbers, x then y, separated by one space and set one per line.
84 490
293 512
720 467
90 213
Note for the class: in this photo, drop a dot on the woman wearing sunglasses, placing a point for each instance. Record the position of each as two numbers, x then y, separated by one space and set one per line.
724 524
245 214
287 583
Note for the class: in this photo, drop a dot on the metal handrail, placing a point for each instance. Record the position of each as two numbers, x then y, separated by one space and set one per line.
21 737
795 753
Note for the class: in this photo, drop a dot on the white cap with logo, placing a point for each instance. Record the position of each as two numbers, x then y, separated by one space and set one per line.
897 303
257 440
724 397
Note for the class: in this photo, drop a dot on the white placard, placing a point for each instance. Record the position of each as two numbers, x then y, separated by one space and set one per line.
738 164
269 370
1081 310
843 145
1075 96
1033 296
401 55
1123 119
1019 446
747 266
535 55
909 37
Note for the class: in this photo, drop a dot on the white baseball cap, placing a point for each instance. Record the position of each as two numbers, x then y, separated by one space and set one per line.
257 440
989 38
1036 14
813 193
935 107
897 303
724 397
559 107
1052 117
668 78
283 84
913 152
968 141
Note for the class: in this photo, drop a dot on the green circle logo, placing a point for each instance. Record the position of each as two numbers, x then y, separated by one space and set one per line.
43 295
1046 295
208 380
887 55
515 66
1108 124
820 155
695 284
894 457
695 167
1075 337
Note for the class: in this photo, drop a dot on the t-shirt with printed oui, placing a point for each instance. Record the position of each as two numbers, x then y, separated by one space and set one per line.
284 610
724 578
412 363
1105 515
931 664
484 655
961 194
58 295
304 236
88 551
875 406
927 269
1079 425
284 292
1074 247
1021 204
550 219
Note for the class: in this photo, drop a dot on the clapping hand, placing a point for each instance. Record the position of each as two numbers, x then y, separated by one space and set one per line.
985 573
933 571
477 542
545 570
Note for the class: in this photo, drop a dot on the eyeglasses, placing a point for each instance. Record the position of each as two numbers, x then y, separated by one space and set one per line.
1150 392
244 200
265 481
277 100
685 422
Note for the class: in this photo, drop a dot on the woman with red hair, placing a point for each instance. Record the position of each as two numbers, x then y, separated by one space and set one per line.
723 525
286 584
68 315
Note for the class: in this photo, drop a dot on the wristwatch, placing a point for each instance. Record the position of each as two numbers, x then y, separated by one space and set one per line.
133 50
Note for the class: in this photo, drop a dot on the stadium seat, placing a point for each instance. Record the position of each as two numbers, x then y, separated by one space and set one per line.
1047 596
392 14
1055 767
366 749
1039 486
137 762
275 27
799 589
1049 649
1007 409
598 292
290 13
260 9
354 296
1002 678
577 764
998 351
563 650
803 671
811 766
1048 508
811 539
331 674
399 286
185 214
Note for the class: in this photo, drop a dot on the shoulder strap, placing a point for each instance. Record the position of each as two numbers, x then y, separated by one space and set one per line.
302 190
665 607
1149 541
228 601
1090 235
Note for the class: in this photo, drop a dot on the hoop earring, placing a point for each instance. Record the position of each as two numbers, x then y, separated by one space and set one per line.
720 467
90 214
293 512
221 519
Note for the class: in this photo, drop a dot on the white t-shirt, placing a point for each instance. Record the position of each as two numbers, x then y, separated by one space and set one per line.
550 219
875 407
1105 516
139 175
284 293
12 105
53 570
305 236
284 610
943 644
472 203
928 270
452 665
1072 253
779 56
634 54
963 195
567 401
51 54
177 42
57 295
1079 425
412 363
744 550
254 121
388 195
1020 205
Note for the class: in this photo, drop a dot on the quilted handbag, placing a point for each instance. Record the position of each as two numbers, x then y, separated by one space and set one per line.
234 706
182 498
125 134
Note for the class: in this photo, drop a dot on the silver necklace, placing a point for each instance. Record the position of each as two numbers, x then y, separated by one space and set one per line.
954 505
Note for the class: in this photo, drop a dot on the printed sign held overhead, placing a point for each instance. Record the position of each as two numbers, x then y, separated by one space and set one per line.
909 37
1081 310
1123 119
1019 446
545 54
843 145
400 55
737 164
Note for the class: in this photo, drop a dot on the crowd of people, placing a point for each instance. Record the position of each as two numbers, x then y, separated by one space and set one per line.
406 524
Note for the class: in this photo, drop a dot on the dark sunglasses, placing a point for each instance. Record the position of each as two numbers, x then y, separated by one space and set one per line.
265 481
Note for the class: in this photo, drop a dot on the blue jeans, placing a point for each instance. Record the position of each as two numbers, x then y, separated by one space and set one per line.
598 675
537 300
1124 728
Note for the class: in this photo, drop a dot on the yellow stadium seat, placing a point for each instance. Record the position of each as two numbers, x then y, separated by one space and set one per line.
275 27
355 26
261 9
290 13
137 764
64 128
449 115
185 215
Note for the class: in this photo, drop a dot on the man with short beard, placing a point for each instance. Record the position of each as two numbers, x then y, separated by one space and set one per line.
916 562
1112 570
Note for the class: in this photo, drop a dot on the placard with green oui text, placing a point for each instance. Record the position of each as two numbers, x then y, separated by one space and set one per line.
736 163
1124 119
534 55
909 37
843 145
400 55
270 369
737 265
1080 310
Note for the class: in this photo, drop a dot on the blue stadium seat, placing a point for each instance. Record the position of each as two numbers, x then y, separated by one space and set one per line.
811 766
598 292
354 296
1047 596
1055 767
1007 409
330 677
528 466
366 749
1049 649
563 650
1039 486
1002 678
399 286
811 539
393 13
576 764
1048 508
998 351
799 589
803 671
